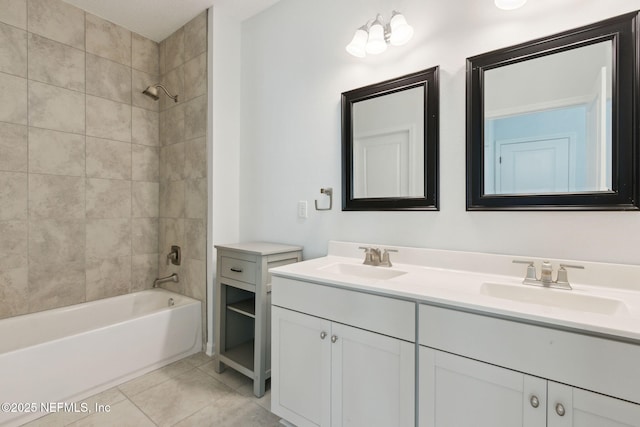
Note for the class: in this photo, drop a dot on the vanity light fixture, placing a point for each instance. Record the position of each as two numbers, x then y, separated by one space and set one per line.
359 42
374 36
509 4
376 42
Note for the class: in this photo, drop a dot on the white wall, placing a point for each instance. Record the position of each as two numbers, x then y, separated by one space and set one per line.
294 68
223 141
225 113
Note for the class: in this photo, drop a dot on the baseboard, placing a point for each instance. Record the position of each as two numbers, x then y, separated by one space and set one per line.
210 350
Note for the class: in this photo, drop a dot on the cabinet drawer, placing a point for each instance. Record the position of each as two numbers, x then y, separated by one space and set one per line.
384 315
594 363
238 269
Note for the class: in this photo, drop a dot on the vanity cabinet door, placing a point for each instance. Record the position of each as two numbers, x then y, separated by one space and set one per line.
372 379
460 392
301 368
329 374
573 407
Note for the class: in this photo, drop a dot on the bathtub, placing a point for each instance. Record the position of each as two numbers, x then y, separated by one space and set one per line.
66 354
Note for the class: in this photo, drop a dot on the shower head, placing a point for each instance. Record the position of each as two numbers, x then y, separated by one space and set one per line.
152 92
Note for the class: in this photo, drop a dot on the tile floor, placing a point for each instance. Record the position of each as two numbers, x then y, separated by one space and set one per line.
185 393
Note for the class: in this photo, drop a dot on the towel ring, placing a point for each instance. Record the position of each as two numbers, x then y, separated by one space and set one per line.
329 192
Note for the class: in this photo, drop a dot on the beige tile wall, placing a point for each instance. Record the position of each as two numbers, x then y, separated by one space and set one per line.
79 158
183 167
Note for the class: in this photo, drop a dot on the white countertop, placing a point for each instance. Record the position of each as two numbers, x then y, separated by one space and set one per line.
462 287
259 248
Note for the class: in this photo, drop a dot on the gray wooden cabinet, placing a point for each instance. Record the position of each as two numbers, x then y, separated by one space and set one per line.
243 307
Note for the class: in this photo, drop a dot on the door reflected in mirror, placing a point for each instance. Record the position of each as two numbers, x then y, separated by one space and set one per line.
547 123
388 145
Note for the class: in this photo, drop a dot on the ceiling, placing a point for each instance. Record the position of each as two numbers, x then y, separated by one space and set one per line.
158 19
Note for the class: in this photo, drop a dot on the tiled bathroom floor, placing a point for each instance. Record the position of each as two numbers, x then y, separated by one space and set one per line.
188 392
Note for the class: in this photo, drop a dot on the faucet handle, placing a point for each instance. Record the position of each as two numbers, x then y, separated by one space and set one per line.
531 269
386 260
581 267
368 255
562 273
367 250
522 261
174 256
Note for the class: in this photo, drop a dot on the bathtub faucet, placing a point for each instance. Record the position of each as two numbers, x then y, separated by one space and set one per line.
173 278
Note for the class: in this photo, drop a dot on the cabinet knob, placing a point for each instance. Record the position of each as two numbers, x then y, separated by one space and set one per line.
323 335
334 338
534 401
560 409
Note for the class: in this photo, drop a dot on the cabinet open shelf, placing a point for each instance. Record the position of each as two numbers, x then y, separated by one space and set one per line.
245 307
240 357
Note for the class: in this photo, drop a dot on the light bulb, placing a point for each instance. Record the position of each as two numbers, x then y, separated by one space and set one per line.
358 43
401 32
509 4
376 43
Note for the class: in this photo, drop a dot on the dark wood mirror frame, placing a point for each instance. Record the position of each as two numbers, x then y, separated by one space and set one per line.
428 81
623 32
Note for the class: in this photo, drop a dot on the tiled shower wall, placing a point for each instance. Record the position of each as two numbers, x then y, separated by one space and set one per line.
79 157
183 166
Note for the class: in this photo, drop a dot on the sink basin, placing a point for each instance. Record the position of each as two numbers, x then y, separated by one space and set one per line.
363 271
555 298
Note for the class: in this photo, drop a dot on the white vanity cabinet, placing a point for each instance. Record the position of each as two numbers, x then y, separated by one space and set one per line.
341 358
487 372
472 393
457 391
582 408
301 368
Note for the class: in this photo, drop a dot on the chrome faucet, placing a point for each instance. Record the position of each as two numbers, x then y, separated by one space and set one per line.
373 257
546 275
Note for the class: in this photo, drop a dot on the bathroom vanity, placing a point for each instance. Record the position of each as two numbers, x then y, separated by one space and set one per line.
444 338
334 362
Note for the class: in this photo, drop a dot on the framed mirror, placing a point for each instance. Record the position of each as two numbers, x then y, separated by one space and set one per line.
552 123
390 144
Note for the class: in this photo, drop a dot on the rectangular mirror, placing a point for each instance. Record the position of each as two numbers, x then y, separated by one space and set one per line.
550 122
390 144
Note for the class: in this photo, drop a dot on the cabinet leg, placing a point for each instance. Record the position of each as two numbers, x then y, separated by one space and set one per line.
258 387
218 366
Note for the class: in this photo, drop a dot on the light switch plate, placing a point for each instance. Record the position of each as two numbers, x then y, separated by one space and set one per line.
302 209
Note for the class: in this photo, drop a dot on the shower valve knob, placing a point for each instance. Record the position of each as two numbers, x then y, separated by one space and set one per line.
174 256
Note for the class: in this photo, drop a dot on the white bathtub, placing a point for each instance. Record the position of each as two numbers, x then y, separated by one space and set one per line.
69 353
